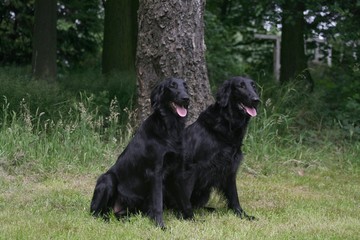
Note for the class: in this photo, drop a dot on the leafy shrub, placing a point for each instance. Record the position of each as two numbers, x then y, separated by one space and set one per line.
17 85
342 97
222 60
55 99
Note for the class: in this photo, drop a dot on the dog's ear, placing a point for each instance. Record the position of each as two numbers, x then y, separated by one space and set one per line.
156 95
223 94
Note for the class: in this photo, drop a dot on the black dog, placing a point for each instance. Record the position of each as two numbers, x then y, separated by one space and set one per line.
135 182
212 144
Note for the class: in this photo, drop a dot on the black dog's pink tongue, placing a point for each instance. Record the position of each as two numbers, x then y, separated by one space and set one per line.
181 111
251 111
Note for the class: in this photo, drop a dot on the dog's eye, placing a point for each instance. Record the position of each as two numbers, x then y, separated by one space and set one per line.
173 85
242 85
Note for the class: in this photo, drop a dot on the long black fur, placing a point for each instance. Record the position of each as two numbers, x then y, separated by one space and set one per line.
212 144
135 182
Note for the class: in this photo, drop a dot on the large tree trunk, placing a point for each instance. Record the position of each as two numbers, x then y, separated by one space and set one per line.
292 57
171 43
44 40
120 35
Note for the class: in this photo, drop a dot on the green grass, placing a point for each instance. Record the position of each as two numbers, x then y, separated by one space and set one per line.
312 206
47 179
299 178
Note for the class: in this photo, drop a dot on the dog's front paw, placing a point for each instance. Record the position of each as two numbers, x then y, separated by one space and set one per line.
243 215
158 219
188 214
161 225
250 218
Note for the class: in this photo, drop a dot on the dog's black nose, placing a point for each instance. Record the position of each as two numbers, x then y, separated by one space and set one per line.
255 99
185 99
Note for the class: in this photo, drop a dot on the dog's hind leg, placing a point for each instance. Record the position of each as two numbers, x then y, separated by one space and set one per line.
200 197
104 195
120 211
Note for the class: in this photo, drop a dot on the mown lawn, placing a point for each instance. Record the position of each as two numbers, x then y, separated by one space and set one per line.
321 204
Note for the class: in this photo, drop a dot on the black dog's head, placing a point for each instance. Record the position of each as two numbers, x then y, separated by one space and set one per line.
171 94
241 93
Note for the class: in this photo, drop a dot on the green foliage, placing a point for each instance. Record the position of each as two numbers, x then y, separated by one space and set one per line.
342 97
55 100
17 86
231 46
80 28
233 50
222 60
79 34
231 25
16 25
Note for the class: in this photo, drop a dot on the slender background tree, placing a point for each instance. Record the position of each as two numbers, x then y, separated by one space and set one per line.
293 60
44 40
120 36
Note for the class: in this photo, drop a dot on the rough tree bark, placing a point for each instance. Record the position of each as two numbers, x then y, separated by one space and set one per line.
171 43
292 56
44 40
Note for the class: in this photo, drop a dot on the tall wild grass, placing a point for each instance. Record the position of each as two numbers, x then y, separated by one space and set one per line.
80 138
293 132
69 128
45 127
